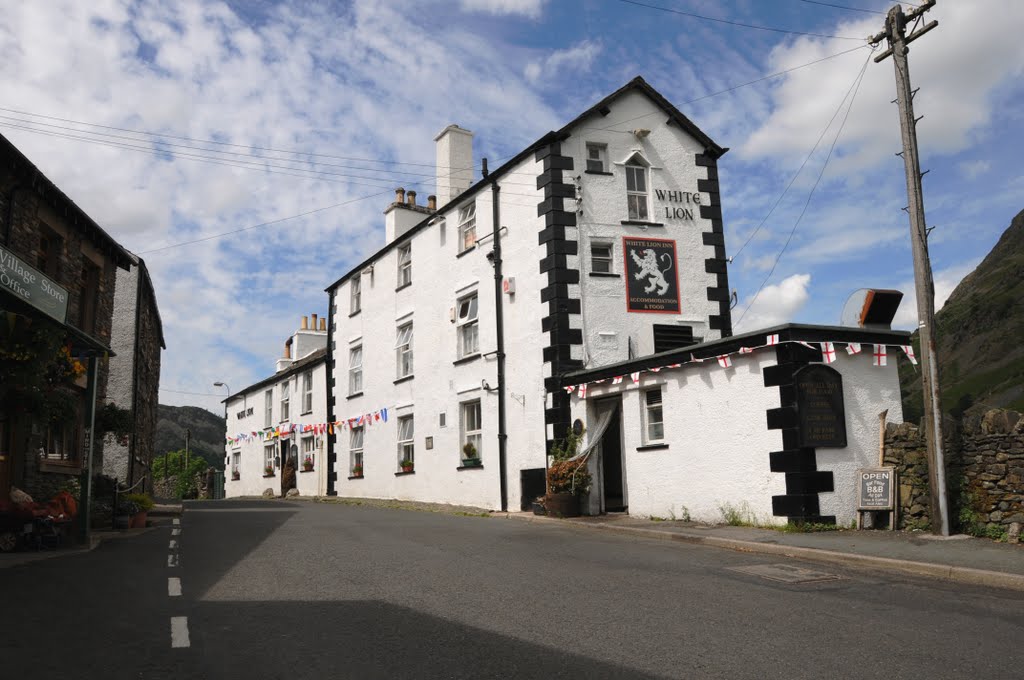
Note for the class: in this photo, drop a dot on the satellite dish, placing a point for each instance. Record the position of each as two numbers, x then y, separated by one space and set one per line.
871 308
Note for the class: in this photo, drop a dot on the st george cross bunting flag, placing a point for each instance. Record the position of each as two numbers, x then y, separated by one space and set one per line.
635 376
617 380
828 352
724 361
773 339
583 391
879 357
746 350
853 348
909 351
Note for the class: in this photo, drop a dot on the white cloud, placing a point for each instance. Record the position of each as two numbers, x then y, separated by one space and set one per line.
776 304
974 169
577 58
527 8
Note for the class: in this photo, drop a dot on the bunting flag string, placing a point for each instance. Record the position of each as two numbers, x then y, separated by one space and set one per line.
373 418
828 351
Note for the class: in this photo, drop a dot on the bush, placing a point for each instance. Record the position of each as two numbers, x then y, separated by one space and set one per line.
560 477
142 500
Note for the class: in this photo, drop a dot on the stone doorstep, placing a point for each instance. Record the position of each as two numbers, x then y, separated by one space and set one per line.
942 572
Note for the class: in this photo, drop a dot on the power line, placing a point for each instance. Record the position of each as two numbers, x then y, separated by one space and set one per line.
847 7
795 175
737 23
855 87
196 394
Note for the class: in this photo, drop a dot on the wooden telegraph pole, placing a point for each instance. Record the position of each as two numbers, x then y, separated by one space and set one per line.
895 32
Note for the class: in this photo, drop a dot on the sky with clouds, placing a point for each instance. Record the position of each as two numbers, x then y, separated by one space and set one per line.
268 110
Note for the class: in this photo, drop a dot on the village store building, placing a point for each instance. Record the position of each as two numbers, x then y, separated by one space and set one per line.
57 270
449 348
280 419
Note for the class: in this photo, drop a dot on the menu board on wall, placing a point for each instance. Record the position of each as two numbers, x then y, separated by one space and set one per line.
652 279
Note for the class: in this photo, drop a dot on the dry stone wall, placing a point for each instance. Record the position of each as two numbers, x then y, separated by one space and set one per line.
985 470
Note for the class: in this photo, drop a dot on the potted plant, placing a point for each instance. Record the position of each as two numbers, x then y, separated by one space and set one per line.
568 479
143 504
268 471
407 465
357 471
126 510
470 456
307 463
235 475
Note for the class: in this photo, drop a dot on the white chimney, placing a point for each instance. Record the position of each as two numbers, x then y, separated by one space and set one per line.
402 215
454 162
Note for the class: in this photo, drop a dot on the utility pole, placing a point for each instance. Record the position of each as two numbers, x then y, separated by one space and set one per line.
188 439
895 33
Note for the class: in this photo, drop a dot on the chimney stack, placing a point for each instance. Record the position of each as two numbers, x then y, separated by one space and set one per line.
432 203
454 147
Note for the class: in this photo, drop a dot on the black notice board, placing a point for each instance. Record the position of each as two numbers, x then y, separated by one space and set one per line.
875 488
821 414
652 278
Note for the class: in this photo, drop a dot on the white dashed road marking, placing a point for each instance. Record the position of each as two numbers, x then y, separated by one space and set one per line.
176 522
173 545
179 631
172 560
175 532
174 586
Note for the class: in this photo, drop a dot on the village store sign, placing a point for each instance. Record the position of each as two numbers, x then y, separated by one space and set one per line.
30 285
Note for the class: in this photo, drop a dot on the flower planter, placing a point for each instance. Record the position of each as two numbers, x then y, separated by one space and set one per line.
138 520
562 504
472 462
307 468
235 477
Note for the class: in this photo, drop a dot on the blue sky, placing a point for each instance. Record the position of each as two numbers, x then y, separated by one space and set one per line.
376 81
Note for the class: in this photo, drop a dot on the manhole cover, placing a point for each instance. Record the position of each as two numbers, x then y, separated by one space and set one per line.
787 573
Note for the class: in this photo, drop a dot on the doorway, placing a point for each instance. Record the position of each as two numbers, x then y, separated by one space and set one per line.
289 465
612 477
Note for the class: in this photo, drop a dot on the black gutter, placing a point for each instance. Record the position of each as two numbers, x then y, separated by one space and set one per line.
499 320
790 332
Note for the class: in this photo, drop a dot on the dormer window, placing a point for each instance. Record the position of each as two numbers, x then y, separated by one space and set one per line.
636 190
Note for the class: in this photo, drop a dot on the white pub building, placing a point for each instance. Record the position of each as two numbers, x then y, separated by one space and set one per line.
586 280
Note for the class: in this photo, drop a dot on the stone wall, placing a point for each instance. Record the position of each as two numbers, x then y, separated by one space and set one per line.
984 470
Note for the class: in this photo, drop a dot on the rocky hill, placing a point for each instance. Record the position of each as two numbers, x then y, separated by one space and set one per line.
207 432
979 331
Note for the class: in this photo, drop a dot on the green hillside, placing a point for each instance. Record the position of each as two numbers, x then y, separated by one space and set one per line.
207 432
981 359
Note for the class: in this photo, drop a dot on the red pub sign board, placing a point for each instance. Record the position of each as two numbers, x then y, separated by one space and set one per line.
652 279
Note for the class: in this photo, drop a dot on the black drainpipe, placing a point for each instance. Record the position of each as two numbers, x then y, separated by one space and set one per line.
499 320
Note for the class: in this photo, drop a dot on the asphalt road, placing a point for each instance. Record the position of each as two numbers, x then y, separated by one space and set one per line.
303 590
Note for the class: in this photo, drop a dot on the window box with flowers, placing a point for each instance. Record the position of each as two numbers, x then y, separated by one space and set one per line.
307 464
357 472
268 471
470 456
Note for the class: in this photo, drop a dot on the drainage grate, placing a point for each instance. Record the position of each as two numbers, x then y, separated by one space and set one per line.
787 573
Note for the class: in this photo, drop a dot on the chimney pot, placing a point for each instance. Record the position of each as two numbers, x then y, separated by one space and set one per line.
312 326
399 195
323 324
288 349
411 198
432 202
305 322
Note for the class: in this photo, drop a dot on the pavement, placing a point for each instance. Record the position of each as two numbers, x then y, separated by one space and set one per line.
960 558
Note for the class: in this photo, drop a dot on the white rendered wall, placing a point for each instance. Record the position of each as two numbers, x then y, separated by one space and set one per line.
119 379
672 154
252 482
440 277
867 391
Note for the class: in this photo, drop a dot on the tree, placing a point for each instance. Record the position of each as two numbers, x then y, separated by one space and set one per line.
172 465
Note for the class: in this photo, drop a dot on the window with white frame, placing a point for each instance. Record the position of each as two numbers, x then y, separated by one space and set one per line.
355 369
601 255
285 400
636 191
654 424
467 226
471 430
308 451
403 351
406 452
236 464
59 442
307 392
355 451
268 408
467 327
268 459
404 265
356 294
596 157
